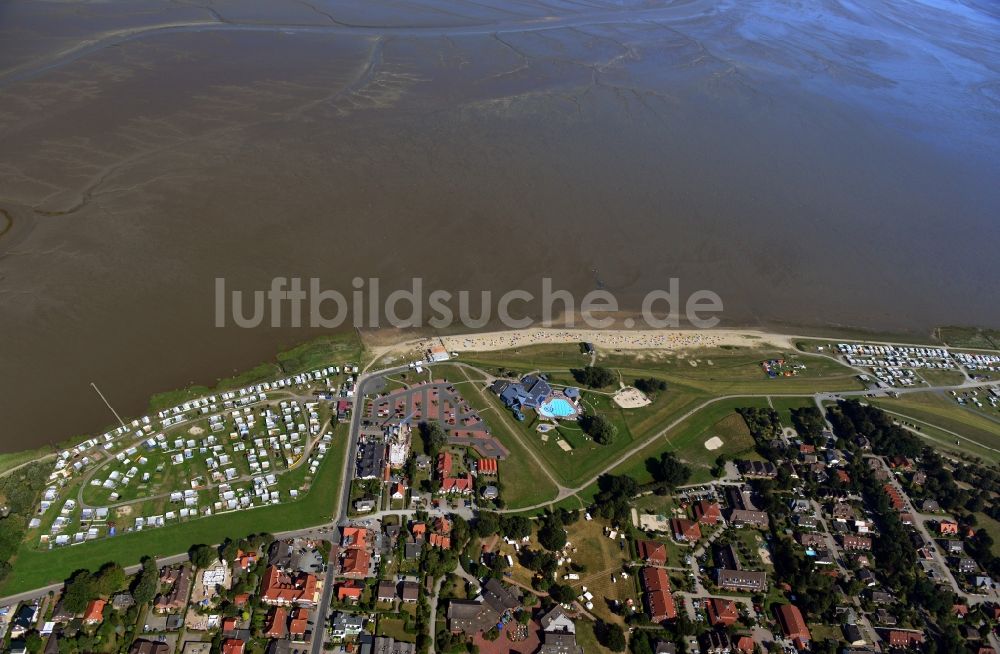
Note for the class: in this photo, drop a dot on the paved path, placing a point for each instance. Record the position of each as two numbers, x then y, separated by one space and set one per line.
45 457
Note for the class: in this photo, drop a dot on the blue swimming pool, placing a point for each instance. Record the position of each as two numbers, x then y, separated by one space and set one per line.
557 408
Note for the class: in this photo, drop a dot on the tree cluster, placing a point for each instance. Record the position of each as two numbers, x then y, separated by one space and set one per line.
594 376
650 385
599 428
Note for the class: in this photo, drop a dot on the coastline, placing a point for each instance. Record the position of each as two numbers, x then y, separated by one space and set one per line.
617 339
390 344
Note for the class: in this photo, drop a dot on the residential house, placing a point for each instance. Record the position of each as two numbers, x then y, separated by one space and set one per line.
659 601
948 528
349 591
387 645
721 612
757 519
652 552
905 639
148 647
707 513
276 625
742 580
94 613
386 591
855 543
281 588
409 592
685 530
793 625
346 625
715 642
176 598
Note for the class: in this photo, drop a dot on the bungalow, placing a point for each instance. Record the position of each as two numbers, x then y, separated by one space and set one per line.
409 592
349 591
386 591
364 505
233 646
94 613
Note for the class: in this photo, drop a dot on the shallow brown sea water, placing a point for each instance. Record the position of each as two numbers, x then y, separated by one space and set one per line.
817 163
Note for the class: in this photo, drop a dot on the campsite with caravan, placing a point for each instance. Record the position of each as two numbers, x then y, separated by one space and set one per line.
238 449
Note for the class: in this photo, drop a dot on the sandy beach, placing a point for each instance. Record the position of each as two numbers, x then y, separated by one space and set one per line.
649 339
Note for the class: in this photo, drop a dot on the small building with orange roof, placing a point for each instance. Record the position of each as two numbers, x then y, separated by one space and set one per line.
94 613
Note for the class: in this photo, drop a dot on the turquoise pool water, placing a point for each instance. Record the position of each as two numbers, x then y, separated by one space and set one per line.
557 408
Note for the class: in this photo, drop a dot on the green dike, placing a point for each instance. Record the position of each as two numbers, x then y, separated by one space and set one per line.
33 568
332 350
11 460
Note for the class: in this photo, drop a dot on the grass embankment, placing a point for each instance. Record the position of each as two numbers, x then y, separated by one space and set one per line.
11 460
941 410
952 427
336 349
33 568
969 337
717 371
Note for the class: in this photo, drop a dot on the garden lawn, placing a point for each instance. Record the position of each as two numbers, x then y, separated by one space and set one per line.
687 441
